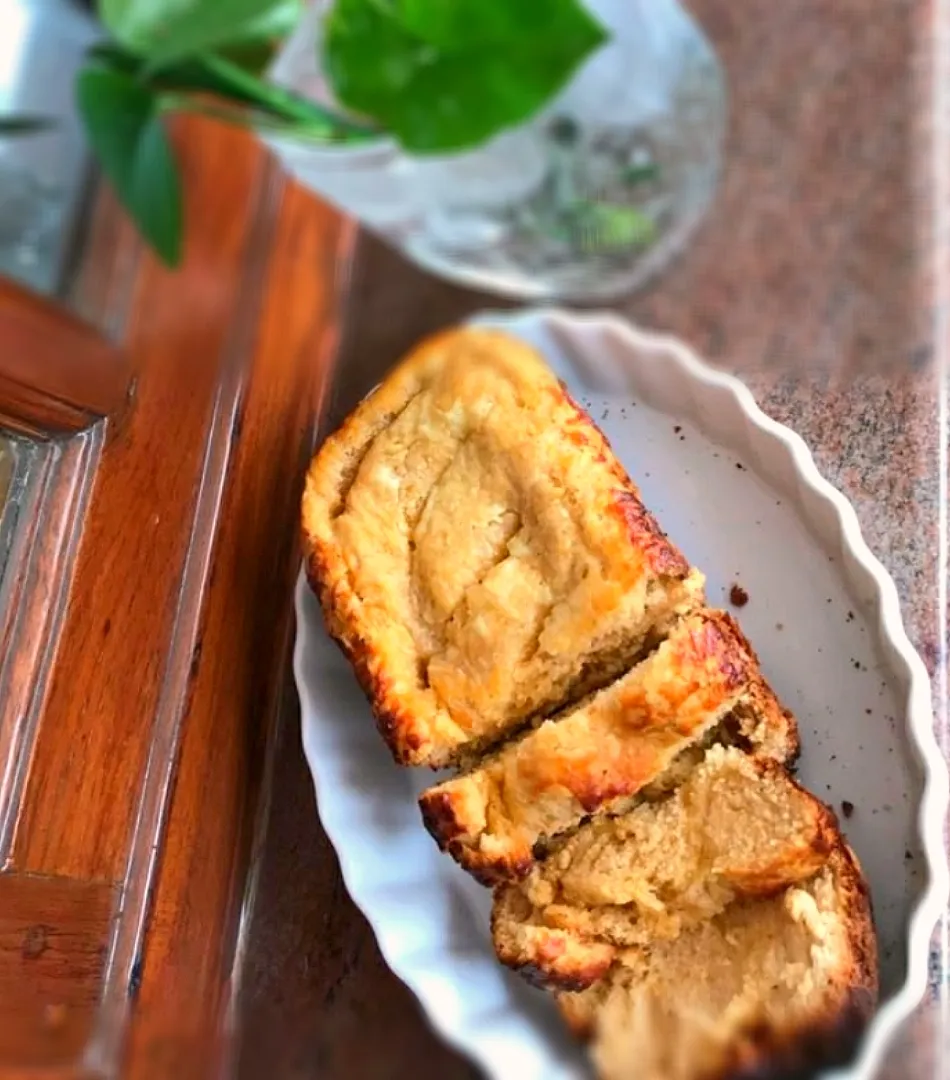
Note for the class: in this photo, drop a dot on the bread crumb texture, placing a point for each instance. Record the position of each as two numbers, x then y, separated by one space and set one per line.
768 987
735 828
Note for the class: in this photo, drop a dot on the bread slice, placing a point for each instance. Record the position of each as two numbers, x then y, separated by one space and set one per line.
480 555
736 827
771 987
702 682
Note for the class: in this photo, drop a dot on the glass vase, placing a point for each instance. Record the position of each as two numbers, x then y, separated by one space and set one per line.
586 201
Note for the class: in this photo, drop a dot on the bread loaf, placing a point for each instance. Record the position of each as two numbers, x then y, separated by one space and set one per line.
513 611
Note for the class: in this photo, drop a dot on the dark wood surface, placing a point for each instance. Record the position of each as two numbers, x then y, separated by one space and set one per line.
51 965
57 373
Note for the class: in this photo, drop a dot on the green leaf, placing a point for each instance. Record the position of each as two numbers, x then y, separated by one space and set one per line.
166 30
24 124
452 24
124 127
445 75
229 85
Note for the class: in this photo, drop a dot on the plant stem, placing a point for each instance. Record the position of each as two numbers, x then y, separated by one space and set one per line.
214 76
171 102
282 103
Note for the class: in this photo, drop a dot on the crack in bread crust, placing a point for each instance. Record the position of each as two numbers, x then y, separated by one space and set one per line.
436 610
599 757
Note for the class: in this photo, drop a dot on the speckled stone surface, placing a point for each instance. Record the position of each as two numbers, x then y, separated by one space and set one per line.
813 277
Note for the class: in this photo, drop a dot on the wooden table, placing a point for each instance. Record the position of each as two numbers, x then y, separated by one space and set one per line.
168 904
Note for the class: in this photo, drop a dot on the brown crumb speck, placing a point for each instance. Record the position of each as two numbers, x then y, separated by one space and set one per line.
677 429
847 808
738 597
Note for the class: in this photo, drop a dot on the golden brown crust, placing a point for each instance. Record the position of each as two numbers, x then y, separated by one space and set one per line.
553 959
598 756
478 551
645 533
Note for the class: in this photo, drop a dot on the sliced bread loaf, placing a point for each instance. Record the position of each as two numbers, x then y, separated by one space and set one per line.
703 682
480 555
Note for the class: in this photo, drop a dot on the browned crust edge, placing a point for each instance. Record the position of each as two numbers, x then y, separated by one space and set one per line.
398 726
551 961
444 808
767 703
768 1053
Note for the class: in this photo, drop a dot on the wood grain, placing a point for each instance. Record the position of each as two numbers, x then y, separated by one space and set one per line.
238 673
53 938
105 687
151 622
57 373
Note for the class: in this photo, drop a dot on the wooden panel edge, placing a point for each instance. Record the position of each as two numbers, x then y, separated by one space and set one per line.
57 373
241 672
39 572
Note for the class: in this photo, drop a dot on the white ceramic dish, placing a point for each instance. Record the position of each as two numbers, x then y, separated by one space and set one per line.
742 496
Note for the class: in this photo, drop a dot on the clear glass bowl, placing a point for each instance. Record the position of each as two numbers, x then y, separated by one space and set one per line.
585 202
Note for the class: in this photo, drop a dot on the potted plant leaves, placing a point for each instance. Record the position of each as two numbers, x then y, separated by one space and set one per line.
563 156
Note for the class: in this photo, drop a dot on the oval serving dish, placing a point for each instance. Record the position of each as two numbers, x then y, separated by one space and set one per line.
742 497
